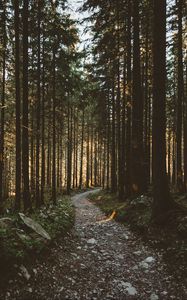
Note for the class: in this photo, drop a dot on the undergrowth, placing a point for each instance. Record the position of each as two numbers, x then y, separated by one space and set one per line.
20 244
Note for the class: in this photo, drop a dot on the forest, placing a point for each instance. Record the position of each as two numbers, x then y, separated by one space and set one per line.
93 136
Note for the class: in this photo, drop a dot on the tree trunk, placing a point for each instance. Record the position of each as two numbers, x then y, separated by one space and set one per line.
82 148
69 149
161 195
43 128
95 160
38 200
18 109
77 146
169 156
88 158
129 105
146 109
113 146
25 123
185 135
2 129
91 158
137 111
54 131
123 140
180 186
108 142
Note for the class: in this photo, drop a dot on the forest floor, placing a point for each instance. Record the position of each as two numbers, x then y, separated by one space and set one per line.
98 259
167 234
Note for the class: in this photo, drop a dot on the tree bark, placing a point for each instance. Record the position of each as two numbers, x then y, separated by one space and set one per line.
137 111
25 123
38 199
180 185
54 131
18 108
43 128
161 195
129 104
82 149
88 158
113 146
2 129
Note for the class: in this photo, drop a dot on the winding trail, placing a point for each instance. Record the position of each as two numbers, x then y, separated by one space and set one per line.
99 259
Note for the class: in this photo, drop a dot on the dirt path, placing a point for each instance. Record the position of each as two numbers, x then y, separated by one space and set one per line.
100 259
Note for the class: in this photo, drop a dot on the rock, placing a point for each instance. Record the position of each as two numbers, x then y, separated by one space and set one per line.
149 259
154 297
125 236
35 271
164 293
25 273
144 265
129 288
83 266
34 226
29 290
137 252
91 241
72 280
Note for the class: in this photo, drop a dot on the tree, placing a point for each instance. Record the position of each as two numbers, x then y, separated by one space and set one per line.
18 107
2 130
38 199
137 111
161 196
54 129
180 89
25 123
